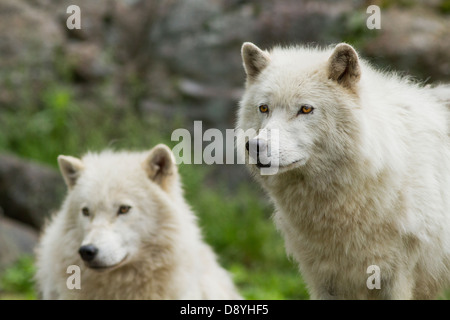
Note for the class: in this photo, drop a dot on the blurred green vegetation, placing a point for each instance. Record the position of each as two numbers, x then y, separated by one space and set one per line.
353 29
16 282
444 6
384 4
52 120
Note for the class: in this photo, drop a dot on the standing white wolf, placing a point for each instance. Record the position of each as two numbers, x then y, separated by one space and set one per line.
127 226
363 171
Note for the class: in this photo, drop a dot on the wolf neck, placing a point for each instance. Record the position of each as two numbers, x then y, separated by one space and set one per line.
144 284
340 190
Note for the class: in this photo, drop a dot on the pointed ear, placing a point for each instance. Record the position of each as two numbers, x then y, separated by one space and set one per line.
254 60
343 66
160 165
70 168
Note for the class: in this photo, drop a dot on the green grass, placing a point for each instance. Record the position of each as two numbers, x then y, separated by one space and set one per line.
444 6
16 282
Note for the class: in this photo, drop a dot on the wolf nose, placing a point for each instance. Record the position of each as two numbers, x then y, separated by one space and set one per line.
258 145
88 252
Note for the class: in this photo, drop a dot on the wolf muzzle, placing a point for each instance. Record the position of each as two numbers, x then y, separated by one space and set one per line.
255 147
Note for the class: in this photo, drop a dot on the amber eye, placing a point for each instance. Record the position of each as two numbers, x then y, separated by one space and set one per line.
85 212
124 209
263 108
305 109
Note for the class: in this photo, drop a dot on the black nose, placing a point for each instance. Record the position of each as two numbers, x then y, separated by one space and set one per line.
260 144
88 252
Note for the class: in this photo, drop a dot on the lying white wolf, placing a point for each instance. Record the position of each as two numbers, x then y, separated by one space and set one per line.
363 170
127 226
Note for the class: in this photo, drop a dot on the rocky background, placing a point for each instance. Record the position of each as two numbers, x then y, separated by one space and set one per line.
167 62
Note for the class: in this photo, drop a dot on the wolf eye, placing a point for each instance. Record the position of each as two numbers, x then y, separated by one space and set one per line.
305 109
264 108
123 209
85 212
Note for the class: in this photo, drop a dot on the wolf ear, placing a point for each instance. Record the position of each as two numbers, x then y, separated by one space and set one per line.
160 165
343 66
254 60
70 168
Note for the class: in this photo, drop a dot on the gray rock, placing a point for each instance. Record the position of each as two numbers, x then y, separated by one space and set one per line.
16 239
417 43
29 192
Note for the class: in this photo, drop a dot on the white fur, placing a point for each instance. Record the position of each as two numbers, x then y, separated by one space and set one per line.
373 183
155 251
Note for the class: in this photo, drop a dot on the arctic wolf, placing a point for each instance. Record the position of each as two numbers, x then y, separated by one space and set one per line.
126 225
363 173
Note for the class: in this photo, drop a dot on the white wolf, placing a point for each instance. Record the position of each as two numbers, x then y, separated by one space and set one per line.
363 170
127 226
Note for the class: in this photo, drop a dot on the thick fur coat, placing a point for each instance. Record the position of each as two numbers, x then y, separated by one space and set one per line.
128 206
363 172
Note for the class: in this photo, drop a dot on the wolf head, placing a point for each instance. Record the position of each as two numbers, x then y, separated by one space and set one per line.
117 203
298 107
